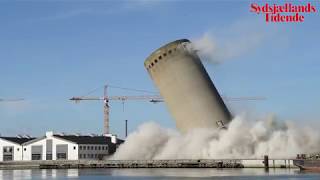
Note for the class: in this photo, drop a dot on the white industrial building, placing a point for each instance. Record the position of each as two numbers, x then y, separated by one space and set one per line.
58 147
11 148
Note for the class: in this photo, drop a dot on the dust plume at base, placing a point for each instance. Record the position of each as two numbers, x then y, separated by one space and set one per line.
242 139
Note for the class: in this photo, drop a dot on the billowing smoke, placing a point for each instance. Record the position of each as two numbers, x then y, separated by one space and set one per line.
217 50
242 139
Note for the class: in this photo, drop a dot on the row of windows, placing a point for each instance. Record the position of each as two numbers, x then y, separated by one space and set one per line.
64 156
10 149
48 156
84 156
25 149
93 148
160 57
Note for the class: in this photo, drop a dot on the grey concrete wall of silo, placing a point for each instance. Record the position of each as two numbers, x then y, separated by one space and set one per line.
186 87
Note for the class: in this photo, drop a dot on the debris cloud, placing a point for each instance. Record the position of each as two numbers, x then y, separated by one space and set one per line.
242 139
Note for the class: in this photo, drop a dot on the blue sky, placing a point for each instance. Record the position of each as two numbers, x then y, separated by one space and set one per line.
53 50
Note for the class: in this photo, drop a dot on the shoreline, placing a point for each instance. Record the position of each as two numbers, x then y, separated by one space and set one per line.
179 163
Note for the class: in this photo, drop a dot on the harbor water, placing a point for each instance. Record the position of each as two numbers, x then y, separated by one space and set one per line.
157 173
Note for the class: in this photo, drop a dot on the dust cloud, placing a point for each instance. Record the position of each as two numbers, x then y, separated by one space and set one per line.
243 139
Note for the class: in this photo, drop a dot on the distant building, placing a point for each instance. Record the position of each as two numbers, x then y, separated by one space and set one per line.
11 148
60 147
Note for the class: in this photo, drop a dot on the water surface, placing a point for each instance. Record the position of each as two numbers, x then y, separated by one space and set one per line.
168 173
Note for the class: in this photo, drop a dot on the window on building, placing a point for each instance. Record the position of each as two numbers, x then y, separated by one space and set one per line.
7 153
100 156
84 147
61 155
91 147
84 156
48 156
7 158
7 149
102 147
36 157
80 147
99 148
95 148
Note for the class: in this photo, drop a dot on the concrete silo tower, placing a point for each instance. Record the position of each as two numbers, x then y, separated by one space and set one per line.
186 87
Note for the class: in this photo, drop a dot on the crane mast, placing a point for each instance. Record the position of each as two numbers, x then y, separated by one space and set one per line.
105 111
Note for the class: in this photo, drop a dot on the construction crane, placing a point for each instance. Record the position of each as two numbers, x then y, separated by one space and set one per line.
106 106
150 98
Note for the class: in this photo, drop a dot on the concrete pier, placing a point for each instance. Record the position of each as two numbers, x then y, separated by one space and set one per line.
272 163
186 163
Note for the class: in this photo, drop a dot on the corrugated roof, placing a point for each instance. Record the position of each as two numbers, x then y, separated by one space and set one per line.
92 140
86 139
17 140
120 141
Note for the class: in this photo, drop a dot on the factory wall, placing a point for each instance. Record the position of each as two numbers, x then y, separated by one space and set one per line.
93 151
72 148
17 149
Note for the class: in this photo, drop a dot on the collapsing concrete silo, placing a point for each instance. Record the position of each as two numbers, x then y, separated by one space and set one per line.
186 87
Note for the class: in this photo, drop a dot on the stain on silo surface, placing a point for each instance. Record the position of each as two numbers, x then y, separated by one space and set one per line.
186 87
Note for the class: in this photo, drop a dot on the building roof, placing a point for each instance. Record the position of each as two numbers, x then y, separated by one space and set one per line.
17 140
86 139
119 141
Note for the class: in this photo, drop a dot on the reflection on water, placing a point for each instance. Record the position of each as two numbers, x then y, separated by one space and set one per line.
38 174
173 173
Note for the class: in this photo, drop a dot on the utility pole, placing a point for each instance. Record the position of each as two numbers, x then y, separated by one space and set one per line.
126 130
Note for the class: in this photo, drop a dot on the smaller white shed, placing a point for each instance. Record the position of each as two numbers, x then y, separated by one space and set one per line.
50 147
11 148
